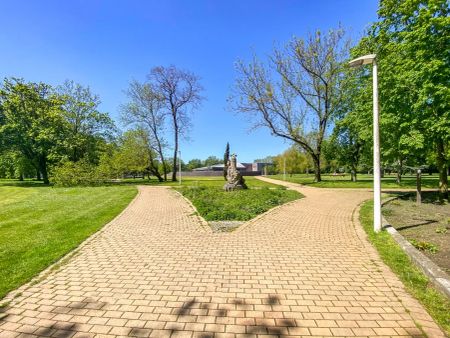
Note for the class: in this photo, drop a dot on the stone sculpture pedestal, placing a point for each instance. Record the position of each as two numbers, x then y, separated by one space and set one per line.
235 181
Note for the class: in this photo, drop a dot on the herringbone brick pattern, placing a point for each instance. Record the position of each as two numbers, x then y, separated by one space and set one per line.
156 271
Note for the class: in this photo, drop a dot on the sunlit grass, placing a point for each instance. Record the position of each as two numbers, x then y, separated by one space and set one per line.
437 305
40 224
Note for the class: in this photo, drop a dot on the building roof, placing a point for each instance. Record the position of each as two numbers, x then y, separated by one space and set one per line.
239 165
219 166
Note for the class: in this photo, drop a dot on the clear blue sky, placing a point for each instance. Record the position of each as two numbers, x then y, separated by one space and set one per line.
105 44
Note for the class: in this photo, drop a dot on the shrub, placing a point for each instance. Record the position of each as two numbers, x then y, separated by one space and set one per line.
70 174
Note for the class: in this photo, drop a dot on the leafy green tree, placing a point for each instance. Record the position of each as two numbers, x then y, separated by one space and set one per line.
32 122
411 43
294 161
87 126
211 160
135 154
194 163
7 165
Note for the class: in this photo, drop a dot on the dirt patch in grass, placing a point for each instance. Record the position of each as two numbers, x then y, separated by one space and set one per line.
426 226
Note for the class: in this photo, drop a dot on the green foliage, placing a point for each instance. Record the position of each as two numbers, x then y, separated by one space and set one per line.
294 160
32 121
424 246
81 173
38 225
87 128
214 204
194 163
211 160
132 156
437 304
42 126
411 42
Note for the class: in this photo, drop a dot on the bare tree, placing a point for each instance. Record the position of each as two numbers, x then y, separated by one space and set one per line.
180 92
297 92
145 109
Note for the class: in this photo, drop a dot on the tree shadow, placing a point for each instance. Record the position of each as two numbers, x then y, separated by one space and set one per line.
60 330
427 221
24 184
57 329
260 326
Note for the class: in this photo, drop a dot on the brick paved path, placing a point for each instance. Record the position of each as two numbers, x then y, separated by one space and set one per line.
300 270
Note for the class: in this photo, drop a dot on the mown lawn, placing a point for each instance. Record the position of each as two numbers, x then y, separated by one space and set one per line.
364 181
194 181
39 224
215 204
437 305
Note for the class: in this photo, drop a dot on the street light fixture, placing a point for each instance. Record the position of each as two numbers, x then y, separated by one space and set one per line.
366 60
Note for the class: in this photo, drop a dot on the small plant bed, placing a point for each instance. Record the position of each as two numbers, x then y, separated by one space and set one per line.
426 226
415 282
215 204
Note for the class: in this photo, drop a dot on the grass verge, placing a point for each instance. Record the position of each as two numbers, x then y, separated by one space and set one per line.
364 181
417 284
40 224
215 204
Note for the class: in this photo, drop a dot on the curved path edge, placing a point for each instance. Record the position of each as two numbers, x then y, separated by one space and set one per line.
299 270
412 305
9 298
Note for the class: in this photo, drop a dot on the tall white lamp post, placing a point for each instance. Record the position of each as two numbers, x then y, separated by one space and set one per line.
179 165
366 60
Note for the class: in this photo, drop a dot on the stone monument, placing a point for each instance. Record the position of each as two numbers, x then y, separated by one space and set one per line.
235 181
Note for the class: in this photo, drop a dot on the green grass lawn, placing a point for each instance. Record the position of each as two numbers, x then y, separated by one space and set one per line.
215 204
364 181
195 181
39 224
437 305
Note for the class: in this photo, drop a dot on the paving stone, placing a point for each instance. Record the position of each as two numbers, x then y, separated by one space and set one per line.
303 269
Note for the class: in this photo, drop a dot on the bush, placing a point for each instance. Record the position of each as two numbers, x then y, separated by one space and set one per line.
70 174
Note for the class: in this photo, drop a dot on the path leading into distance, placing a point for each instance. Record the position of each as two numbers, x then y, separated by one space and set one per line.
303 269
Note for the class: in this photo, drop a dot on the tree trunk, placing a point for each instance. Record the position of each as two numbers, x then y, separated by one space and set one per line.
442 167
43 168
163 160
38 175
152 168
399 171
164 165
353 173
317 175
21 177
174 166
